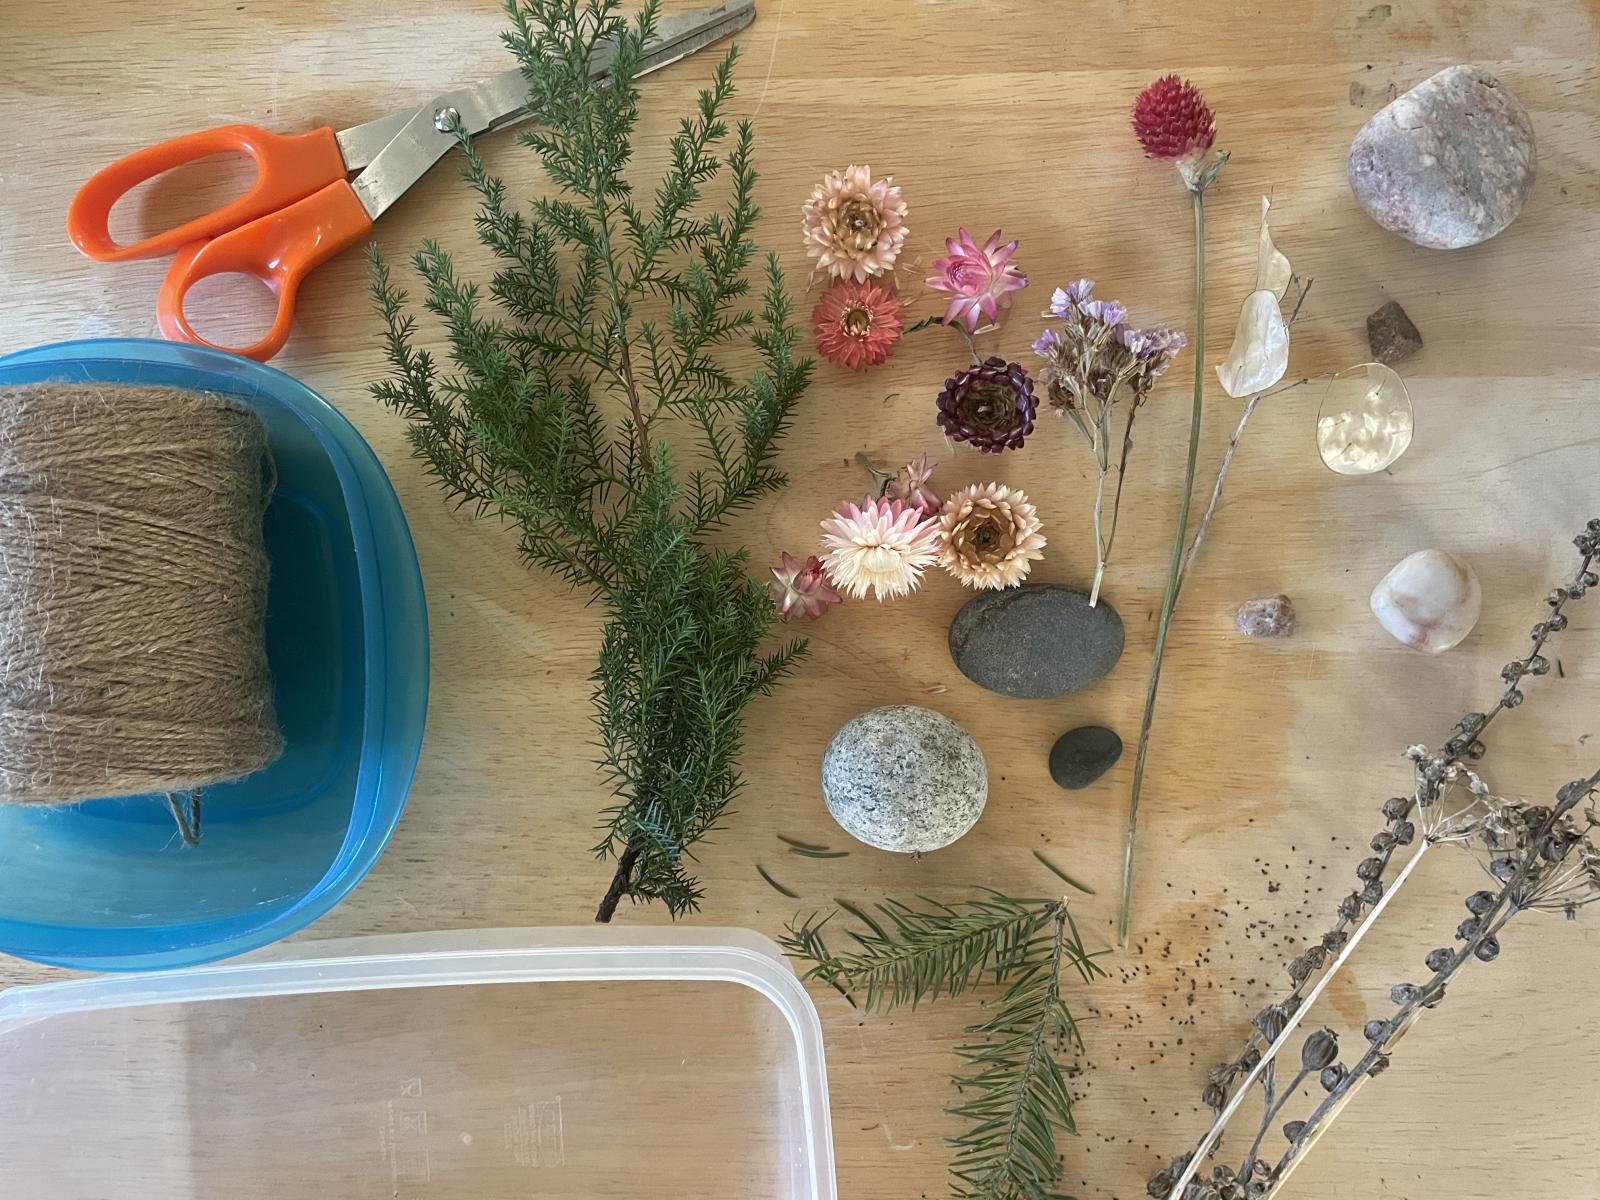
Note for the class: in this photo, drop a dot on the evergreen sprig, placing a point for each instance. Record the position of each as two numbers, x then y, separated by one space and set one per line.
602 327
1012 1083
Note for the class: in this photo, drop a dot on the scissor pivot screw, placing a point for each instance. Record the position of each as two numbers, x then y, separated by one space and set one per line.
445 118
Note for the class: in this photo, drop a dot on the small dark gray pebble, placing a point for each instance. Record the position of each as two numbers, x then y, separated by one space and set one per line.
1035 642
1080 756
1391 335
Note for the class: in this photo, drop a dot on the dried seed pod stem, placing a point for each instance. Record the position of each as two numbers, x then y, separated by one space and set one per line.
1540 857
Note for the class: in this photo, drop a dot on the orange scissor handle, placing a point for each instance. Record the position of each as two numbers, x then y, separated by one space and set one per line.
279 249
287 169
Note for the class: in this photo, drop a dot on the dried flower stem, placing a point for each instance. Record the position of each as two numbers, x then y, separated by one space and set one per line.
1542 858
1101 444
1175 567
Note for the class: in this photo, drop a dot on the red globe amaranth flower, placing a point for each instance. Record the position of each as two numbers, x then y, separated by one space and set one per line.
857 323
1172 120
990 405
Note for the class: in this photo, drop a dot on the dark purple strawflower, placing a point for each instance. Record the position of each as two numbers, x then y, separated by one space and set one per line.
991 405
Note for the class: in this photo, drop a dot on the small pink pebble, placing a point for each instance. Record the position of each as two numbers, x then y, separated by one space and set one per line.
1268 617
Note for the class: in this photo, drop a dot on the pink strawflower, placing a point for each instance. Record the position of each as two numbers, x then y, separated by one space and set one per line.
1173 121
979 279
857 324
801 589
881 546
913 487
853 224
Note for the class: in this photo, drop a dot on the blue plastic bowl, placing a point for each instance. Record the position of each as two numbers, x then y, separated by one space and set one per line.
107 885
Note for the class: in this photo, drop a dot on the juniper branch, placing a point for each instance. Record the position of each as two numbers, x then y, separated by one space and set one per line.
519 424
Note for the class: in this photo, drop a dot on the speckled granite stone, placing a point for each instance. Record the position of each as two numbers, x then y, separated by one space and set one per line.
1449 163
904 778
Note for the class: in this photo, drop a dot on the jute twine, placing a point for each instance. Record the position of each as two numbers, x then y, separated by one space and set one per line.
133 583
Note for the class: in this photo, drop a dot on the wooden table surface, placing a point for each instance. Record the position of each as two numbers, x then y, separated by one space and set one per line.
1270 761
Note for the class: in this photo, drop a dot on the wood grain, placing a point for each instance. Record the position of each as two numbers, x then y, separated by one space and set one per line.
1270 761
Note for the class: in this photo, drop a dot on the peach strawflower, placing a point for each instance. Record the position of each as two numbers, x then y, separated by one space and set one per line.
881 546
854 225
857 324
989 536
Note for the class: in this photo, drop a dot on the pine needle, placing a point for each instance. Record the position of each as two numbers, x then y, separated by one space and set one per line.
776 886
798 844
1062 875
806 853
1014 1089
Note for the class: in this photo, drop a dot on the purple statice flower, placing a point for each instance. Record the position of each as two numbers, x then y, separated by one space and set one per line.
1071 296
1103 312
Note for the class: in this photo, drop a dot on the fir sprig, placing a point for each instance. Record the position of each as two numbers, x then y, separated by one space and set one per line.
1012 1083
599 331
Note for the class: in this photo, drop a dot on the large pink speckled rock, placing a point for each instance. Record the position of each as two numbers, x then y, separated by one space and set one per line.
1449 163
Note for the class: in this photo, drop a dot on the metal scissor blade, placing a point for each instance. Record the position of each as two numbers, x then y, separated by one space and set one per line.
411 142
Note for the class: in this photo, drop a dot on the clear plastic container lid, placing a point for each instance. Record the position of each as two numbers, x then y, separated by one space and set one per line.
477 1065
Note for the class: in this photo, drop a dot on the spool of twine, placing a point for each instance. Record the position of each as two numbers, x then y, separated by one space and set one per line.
133 584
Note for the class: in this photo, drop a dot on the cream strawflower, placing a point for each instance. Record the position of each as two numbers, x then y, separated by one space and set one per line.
881 546
988 535
854 225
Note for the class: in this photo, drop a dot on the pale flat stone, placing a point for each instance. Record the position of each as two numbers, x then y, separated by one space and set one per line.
1447 164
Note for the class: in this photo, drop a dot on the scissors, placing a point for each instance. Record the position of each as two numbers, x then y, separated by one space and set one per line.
302 208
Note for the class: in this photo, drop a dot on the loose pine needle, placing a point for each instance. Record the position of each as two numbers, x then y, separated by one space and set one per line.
776 886
1062 875
806 852
798 844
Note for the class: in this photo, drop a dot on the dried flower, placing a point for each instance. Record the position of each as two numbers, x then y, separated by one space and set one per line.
853 224
989 535
991 405
1172 120
980 279
857 324
882 546
913 485
801 589
1095 361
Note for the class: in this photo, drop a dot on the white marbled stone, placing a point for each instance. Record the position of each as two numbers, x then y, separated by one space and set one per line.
904 778
1429 601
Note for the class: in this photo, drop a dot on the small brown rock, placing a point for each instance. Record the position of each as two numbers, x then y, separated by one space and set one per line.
1268 617
1391 335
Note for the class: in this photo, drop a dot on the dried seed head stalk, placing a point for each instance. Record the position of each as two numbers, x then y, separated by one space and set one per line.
1537 857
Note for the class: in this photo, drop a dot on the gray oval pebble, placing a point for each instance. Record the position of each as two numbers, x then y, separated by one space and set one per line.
1036 642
